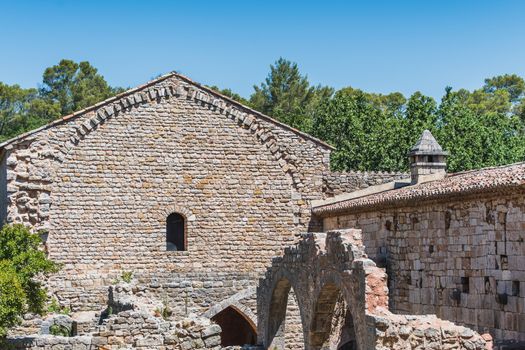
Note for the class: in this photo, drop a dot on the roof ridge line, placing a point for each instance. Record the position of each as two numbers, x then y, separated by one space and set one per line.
87 109
486 168
153 82
253 111
370 172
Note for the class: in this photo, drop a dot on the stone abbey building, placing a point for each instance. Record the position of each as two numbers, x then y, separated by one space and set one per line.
196 197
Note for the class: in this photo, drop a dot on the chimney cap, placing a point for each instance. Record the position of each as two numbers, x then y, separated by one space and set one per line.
427 145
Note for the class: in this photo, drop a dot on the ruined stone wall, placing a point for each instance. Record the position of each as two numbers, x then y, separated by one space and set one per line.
343 301
336 183
132 330
103 183
463 260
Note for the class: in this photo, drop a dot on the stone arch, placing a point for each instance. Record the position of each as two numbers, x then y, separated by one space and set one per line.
189 223
235 302
285 323
332 324
184 211
343 299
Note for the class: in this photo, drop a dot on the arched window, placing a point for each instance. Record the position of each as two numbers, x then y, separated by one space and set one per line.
175 232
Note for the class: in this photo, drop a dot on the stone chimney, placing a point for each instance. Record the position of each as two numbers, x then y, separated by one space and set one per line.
427 159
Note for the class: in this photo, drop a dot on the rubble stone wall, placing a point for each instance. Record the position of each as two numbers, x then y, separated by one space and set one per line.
329 270
336 183
133 319
132 330
462 259
103 183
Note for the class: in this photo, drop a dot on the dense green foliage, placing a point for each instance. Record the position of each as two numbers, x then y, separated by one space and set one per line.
287 95
12 297
72 86
371 131
66 87
21 261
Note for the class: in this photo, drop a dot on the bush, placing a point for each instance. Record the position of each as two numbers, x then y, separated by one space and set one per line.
55 308
20 262
12 297
127 276
60 330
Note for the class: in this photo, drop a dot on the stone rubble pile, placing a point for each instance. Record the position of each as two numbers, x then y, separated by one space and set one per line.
131 321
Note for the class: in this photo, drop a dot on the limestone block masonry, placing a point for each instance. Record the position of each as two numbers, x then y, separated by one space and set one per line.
103 181
129 322
343 302
460 258
100 183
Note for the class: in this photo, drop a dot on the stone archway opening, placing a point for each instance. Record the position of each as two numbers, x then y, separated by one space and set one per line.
285 327
332 326
236 328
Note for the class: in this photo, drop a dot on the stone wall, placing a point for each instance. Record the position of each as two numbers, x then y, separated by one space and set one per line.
132 330
132 319
343 301
103 181
463 260
335 183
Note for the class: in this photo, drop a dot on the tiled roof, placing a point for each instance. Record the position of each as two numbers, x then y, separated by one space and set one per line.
462 183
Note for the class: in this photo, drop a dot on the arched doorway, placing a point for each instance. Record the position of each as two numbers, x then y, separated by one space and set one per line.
236 329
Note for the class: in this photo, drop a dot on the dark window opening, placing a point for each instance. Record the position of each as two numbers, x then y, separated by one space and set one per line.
465 284
351 345
516 288
504 262
175 233
236 330
487 285
430 159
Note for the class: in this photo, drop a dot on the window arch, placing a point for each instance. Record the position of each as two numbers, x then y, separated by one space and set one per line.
175 232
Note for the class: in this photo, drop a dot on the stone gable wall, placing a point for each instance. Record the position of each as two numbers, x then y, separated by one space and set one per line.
462 260
104 182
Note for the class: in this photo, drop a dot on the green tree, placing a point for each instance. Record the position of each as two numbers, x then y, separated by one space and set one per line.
287 95
477 137
21 261
13 298
229 93
362 133
74 86
14 104
512 83
66 87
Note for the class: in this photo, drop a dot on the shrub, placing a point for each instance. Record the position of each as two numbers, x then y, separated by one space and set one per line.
61 330
55 308
127 276
20 262
12 297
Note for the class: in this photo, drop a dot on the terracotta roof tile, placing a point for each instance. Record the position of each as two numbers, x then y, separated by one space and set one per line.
462 183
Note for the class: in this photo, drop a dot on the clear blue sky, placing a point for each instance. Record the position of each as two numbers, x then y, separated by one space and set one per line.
378 46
